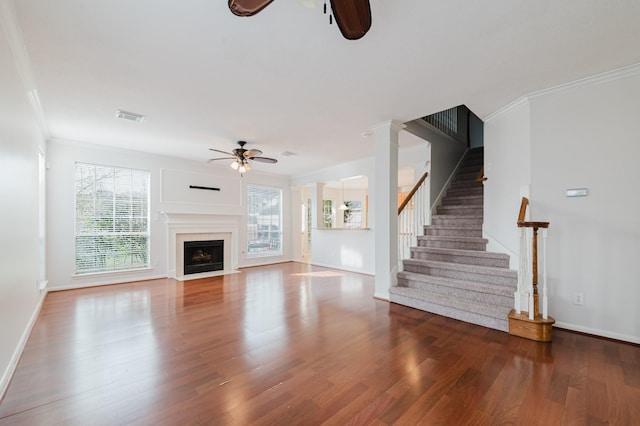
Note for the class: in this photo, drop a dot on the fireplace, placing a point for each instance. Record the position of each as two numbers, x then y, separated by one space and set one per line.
203 256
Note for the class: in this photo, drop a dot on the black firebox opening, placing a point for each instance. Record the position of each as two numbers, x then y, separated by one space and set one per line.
203 256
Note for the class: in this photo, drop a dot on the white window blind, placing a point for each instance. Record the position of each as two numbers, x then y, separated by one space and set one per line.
264 221
112 218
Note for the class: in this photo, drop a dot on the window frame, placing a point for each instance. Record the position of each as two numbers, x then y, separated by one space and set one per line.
259 235
114 258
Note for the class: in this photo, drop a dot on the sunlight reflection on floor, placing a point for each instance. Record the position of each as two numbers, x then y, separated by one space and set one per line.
319 274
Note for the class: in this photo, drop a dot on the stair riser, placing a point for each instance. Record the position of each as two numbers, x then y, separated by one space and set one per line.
460 275
466 183
452 312
467 175
472 164
452 221
505 301
453 232
461 192
462 201
457 245
466 260
470 168
460 210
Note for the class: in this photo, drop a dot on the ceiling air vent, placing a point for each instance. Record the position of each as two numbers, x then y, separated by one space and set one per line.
132 116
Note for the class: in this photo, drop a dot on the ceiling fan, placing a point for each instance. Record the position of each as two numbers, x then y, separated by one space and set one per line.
241 157
352 16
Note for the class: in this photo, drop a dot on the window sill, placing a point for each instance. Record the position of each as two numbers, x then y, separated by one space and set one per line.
110 273
342 229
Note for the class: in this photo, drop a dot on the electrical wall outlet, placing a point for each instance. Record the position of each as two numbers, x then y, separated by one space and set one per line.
578 298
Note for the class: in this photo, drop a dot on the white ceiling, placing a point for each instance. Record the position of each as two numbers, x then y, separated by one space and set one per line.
285 80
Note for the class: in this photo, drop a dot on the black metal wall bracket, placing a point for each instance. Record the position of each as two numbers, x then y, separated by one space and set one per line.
204 187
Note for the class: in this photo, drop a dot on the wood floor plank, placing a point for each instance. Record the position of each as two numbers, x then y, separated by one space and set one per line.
291 344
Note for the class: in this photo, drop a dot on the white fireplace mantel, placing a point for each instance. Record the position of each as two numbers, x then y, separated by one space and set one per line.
199 227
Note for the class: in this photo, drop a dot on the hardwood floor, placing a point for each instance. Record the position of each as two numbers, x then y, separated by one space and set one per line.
296 344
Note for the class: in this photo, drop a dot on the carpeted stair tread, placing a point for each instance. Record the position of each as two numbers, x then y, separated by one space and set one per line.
462 210
455 239
469 257
452 307
458 285
452 242
462 225
438 218
463 199
453 231
475 269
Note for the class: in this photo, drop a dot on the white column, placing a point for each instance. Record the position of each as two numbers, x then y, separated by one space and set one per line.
386 206
316 205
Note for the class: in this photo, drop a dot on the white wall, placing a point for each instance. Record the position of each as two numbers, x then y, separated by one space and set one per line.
445 156
507 166
581 135
354 250
20 142
588 137
165 197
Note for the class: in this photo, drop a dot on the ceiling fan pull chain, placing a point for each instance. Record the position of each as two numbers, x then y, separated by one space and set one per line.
325 7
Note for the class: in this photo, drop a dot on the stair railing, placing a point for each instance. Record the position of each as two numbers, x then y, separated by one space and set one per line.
453 122
412 217
528 271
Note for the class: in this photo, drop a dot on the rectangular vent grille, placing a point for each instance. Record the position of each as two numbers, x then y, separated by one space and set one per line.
132 116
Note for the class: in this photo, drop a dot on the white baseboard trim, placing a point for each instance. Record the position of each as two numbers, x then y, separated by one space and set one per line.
13 363
341 268
109 282
385 297
597 332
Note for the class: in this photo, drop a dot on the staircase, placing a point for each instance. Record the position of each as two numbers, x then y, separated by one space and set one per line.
450 273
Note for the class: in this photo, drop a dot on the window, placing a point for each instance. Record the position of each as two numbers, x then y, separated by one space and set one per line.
264 221
112 218
328 214
353 214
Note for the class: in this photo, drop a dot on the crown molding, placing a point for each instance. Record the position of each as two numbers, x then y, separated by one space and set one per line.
605 77
15 41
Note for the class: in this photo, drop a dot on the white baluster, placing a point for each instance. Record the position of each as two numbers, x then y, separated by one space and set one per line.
544 274
530 274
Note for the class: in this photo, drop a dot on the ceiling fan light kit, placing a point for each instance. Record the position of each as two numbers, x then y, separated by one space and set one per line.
352 16
242 158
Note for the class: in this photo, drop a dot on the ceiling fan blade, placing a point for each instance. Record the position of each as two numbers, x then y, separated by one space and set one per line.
264 159
224 158
221 152
252 153
247 7
353 17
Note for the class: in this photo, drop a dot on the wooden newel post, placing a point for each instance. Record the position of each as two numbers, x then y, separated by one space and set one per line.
531 325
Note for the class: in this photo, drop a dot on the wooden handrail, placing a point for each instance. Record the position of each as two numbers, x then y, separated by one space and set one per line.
480 177
523 210
413 191
524 224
